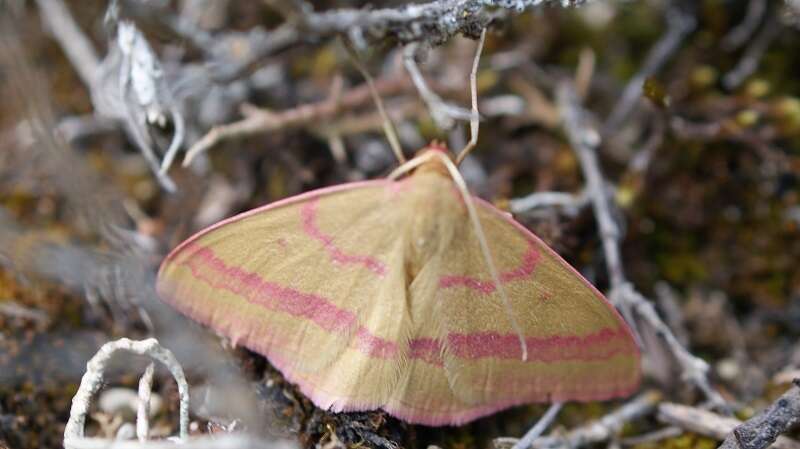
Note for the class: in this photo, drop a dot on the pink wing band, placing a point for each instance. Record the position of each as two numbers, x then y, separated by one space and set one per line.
308 214
207 267
529 262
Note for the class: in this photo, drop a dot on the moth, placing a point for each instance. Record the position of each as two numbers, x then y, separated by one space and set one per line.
405 294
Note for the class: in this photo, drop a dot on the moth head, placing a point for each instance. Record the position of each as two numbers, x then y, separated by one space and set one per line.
434 164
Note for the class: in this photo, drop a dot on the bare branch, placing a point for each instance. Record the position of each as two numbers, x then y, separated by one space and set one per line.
92 381
739 35
226 441
763 429
544 422
585 140
433 23
707 423
679 24
571 203
261 121
444 114
600 430
143 409
76 45
753 54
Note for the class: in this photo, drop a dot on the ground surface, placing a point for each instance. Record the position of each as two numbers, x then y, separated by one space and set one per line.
705 170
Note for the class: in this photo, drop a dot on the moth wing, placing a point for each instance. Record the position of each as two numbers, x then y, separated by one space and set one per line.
308 282
579 348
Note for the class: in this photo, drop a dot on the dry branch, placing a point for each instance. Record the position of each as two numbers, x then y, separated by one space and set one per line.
765 428
597 431
433 23
585 140
92 381
751 58
259 121
679 24
704 422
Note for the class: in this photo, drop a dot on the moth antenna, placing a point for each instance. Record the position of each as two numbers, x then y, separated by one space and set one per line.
487 255
388 126
474 121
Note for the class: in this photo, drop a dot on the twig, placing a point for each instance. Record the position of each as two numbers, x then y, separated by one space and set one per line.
739 35
134 68
544 422
433 23
143 408
259 121
753 53
707 423
226 441
600 430
444 114
571 202
765 428
92 381
680 23
76 45
585 140
642 158
652 437
13 309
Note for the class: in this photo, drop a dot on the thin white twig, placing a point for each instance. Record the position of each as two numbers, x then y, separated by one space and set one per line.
569 201
739 35
14 309
443 113
596 431
92 381
143 408
73 41
226 441
544 422
751 58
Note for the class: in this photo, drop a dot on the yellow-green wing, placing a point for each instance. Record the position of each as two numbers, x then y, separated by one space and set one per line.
314 282
578 346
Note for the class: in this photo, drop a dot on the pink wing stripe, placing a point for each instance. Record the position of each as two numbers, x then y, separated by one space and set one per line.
309 215
526 267
206 266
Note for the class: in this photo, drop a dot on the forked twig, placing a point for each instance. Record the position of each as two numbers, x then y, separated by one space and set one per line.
443 113
92 381
585 140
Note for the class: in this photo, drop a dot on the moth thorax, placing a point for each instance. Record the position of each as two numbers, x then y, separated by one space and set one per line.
436 212
434 164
